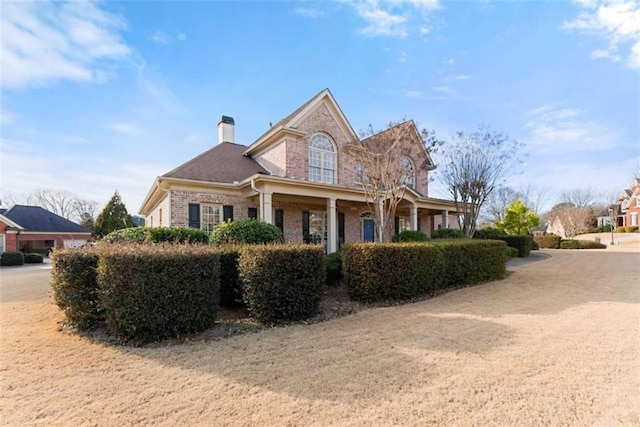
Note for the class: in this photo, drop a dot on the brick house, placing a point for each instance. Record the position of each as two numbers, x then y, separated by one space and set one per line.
34 229
630 205
297 176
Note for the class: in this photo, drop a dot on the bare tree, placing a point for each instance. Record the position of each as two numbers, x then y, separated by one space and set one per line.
534 196
497 202
85 209
472 167
382 171
60 202
573 219
581 197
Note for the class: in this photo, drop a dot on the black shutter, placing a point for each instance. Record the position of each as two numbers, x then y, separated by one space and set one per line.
397 224
305 227
252 213
227 213
194 215
340 229
279 220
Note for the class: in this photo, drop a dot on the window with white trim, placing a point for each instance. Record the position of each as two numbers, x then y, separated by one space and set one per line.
634 218
322 159
210 216
408 176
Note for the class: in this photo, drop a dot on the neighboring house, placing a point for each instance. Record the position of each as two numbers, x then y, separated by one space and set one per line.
630 205
297 176
34 229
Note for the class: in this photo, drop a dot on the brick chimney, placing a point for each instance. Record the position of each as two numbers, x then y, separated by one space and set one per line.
226 129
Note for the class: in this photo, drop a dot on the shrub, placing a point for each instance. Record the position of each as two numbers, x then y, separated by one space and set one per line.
620 229
247 231
534 245
150 292
410 236
581 244
11 258
489 233
158 235
75 287
631 229
522 243
374 272
548 241
447 233
282 282
334 268
33 258
511 252
230 283
604 229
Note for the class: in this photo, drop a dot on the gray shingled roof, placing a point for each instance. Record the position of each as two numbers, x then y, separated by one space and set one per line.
35 218
223 163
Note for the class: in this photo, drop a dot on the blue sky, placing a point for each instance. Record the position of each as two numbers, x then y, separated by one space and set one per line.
103 96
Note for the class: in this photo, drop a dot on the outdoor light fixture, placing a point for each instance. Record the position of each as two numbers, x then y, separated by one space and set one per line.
611 223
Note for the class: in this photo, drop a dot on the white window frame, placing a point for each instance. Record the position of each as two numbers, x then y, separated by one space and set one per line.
634 218
210 216
323 159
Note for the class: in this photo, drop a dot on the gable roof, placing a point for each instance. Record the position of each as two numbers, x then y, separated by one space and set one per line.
223 163
35 218
381 141
290 122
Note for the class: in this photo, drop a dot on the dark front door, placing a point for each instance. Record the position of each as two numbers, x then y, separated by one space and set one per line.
368 230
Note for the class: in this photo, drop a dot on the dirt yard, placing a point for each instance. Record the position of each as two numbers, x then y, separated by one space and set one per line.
556 343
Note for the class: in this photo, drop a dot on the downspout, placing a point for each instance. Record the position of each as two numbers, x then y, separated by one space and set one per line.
254 188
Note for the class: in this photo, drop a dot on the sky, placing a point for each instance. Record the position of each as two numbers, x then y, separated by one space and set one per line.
105 96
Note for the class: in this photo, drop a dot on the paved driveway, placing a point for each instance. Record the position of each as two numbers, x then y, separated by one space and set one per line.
555 343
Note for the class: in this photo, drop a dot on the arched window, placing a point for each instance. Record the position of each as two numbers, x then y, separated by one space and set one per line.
322 159
408 176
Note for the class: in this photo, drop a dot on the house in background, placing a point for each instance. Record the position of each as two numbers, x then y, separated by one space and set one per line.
630 205
298 176
34 229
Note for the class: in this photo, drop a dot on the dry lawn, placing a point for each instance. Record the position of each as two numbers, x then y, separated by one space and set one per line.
556 343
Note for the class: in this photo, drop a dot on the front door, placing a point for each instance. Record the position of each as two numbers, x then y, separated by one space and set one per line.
368 230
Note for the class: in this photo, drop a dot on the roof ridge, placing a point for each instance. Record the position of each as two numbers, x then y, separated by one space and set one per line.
188 162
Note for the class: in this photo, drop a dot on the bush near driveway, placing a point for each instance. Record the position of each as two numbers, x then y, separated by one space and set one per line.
523 243
151 292
548 241
375 272
33 258
631 229
282 282
11 258
75 286
581 244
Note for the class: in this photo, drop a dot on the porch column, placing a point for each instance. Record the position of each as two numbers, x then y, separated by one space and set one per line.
413 216
266 207
332 229
445 219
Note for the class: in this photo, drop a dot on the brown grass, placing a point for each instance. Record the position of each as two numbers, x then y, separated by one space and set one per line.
557 342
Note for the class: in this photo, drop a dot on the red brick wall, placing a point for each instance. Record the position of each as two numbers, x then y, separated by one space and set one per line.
10 242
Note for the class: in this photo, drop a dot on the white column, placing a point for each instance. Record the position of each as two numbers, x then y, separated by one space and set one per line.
414 217
332 229
266 207
445 219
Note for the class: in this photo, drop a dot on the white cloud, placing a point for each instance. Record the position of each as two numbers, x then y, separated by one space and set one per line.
450 61
43 42
442 89
309 12
163 37
391 18
414 94
403 56
565 130
460 77
615 21
6 117
125 128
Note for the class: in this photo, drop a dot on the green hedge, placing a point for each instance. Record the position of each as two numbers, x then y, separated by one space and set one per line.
334 268
230 283
75 286
374 272
247 231
447 233
150 292
410 236
631 229
489 233
522 243
11 258
511 252
282 282
33 258
581 244
158 235
620 229
548 241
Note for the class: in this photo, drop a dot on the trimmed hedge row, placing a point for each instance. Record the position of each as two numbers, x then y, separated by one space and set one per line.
334 268
282 282
375 272
158 235
151 292
581 244
548 241
447 233
410 236
11 258
511 252
33 258
523 243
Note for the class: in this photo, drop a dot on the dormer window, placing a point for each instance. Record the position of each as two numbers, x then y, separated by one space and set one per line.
408 176
322 159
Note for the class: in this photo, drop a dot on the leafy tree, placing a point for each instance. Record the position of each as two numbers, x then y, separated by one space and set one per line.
518 219
113 217
472 167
